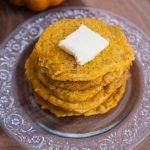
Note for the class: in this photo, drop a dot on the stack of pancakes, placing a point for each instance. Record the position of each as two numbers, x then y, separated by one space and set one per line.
65 88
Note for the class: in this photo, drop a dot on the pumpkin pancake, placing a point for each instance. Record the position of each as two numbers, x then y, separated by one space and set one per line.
81 107
76 95
110 103
70 96
78 85
81 85
59 65
59 112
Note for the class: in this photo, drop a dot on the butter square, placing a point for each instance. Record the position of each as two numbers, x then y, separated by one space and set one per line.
84 44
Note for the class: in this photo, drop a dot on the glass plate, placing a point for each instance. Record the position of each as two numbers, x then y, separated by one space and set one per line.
121 128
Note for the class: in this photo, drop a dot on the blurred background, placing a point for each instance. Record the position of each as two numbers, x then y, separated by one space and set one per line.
138 11
12 15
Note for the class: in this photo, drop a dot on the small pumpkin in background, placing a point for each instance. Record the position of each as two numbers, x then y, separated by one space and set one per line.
36 5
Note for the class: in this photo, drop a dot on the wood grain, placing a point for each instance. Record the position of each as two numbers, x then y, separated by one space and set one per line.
137 11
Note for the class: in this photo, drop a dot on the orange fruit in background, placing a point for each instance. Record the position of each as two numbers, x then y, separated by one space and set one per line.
36 5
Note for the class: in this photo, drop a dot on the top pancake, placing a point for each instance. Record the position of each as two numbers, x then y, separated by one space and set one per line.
61 66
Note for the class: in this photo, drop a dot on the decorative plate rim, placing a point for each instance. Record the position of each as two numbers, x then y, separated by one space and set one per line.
40 142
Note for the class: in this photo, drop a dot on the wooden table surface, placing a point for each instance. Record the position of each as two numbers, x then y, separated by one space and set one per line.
138 11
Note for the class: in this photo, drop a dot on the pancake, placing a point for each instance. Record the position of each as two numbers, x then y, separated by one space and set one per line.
81 85
59 112
78 85
81 107
70 96
74 96
61 66
110 103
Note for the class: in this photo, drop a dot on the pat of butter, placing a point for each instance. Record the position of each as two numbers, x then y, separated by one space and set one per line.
84 44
